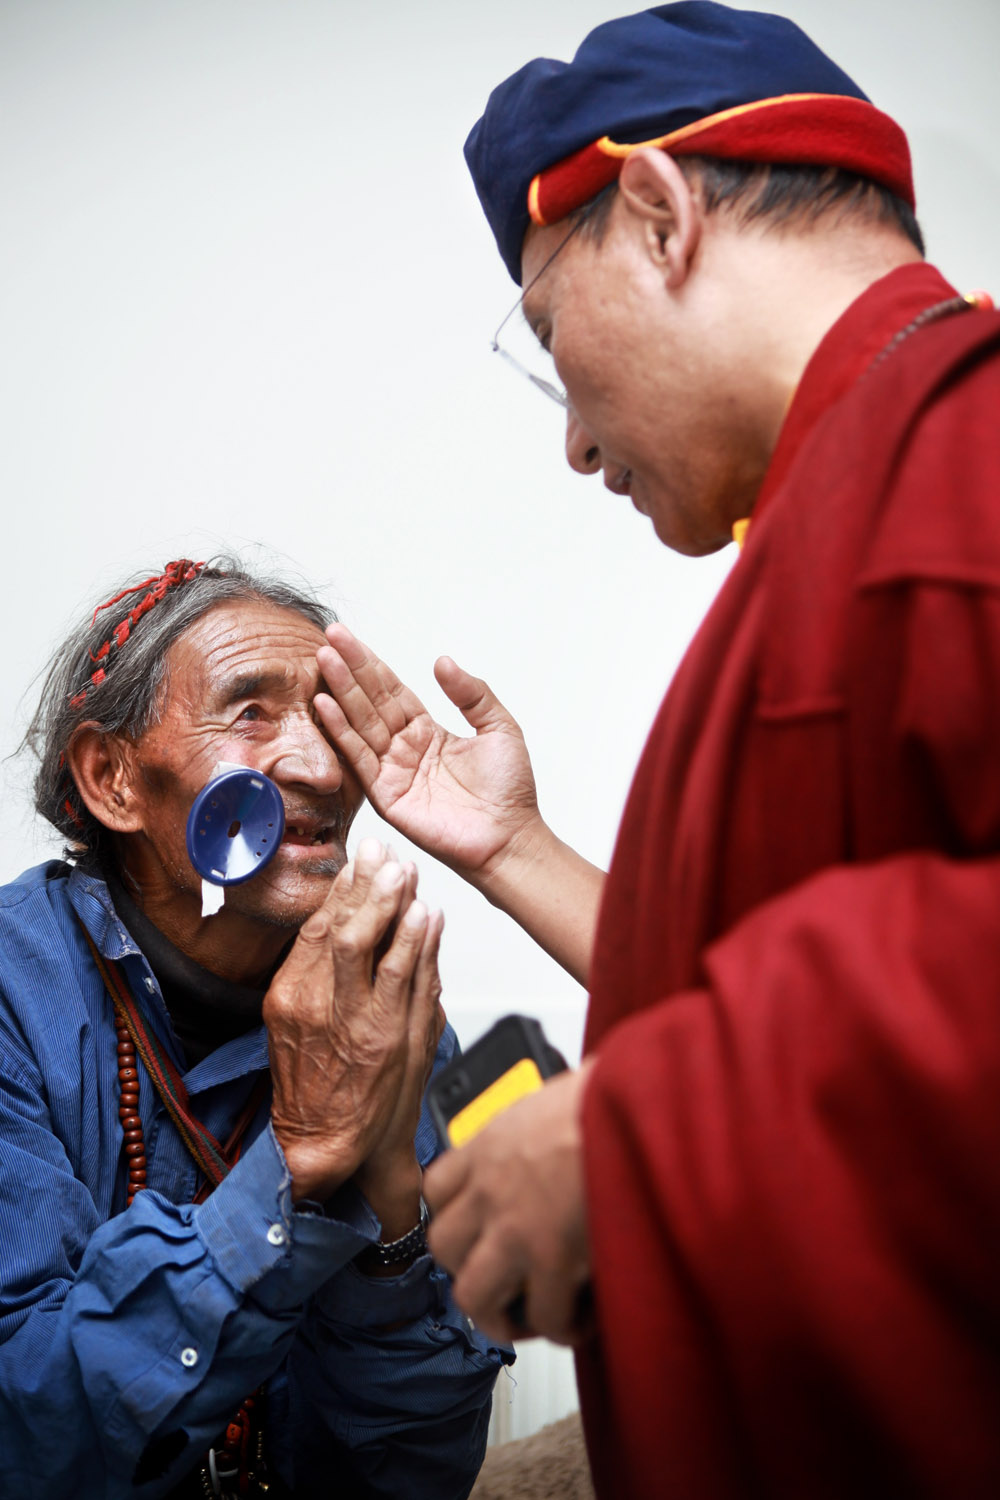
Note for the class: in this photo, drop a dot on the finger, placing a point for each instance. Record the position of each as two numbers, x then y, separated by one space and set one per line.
428 976
444 1179
350 887
453 1231
392 700
440 1022
370 856
550 1301
313 942
361 713
394 974
405 901
344 899
425 1030
362 758
410 885
491 1279
435 1031
357 933
301 990
474 698
427 1019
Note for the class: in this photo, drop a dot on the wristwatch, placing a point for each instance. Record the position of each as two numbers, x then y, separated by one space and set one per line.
406 1248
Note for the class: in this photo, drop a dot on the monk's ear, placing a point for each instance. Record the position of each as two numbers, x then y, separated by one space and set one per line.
670 217
103 767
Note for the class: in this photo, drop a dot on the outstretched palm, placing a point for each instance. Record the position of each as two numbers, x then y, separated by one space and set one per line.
468 801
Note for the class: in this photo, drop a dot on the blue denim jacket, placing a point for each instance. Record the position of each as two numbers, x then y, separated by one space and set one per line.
125 1335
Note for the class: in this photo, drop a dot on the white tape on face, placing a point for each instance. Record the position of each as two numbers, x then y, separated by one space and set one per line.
212 897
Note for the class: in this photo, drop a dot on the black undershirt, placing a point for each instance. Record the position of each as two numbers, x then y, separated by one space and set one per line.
206 1011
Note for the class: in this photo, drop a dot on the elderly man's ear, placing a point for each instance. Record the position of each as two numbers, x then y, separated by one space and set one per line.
670 216
103 767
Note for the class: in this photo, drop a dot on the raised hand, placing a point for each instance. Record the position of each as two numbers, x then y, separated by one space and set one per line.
350 1031
468 801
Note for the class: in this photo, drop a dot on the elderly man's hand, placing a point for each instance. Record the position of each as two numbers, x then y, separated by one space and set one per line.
467 801
351 1032
390 1176
509 1215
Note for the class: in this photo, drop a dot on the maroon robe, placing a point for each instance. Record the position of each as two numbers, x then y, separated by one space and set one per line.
792 1129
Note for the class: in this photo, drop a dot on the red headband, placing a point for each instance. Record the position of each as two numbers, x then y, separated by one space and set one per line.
831 130
174 574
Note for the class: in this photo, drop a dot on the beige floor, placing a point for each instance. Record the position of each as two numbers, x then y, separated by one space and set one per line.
549 1465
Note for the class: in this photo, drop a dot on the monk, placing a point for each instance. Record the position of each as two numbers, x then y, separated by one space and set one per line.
773 1183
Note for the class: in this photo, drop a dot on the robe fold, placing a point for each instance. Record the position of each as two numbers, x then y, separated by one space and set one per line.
792 1128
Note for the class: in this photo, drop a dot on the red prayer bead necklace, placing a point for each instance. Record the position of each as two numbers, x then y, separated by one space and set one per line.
230 1465
128 1112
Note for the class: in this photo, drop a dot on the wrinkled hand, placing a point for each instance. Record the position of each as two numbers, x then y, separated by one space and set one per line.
468 801
344 1024
393 1159
509 1215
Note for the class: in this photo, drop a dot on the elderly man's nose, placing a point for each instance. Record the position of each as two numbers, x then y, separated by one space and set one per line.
582 453
308 756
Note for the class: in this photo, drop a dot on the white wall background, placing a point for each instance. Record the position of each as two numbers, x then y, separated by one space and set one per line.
246 296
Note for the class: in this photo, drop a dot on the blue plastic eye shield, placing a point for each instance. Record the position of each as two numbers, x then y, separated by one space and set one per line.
235 825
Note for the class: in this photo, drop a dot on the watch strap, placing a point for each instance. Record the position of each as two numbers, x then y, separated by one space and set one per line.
407 1248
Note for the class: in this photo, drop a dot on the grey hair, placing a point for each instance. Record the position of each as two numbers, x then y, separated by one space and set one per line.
128 699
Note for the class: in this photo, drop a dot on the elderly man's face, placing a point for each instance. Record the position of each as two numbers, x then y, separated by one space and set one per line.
239 688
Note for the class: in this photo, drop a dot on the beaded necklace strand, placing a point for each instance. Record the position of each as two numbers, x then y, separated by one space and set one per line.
235 1465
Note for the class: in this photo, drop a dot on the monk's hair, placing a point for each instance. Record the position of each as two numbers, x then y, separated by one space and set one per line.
128 697
777 195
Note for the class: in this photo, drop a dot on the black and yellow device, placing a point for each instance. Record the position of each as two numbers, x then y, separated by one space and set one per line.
512 1059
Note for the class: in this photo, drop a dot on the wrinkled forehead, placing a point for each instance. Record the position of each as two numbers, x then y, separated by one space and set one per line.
241 647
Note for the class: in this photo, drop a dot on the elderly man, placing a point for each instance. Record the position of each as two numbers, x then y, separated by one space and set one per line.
286 1332
777 1169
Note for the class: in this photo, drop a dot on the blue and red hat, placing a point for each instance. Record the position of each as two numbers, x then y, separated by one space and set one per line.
694 78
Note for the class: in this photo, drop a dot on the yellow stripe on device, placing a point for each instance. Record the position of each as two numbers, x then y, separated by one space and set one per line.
523 1078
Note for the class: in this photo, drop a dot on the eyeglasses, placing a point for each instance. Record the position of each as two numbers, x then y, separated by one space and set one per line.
531 360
